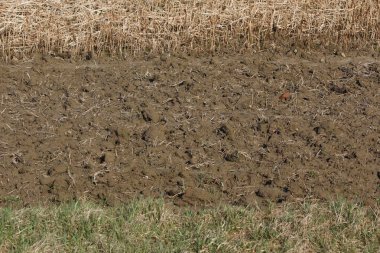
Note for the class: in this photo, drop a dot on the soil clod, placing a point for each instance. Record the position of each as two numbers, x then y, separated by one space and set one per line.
232 157
223 131
338 89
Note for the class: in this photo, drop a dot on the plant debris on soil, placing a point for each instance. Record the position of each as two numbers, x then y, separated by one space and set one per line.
194 130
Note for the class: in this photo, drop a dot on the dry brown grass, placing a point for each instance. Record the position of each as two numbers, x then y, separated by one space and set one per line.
128 26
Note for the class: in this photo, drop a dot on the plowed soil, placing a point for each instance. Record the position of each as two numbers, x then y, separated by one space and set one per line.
239 129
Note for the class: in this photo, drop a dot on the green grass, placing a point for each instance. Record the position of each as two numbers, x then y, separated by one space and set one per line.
153 226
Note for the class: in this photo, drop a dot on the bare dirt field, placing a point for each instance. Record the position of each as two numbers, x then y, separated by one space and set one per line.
239 129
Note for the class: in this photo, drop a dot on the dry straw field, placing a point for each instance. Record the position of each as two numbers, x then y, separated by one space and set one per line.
127 26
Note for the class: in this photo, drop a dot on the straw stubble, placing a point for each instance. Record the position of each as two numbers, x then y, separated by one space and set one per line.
118 27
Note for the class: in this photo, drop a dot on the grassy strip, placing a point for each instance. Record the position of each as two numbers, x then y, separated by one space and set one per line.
130 26
153 226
